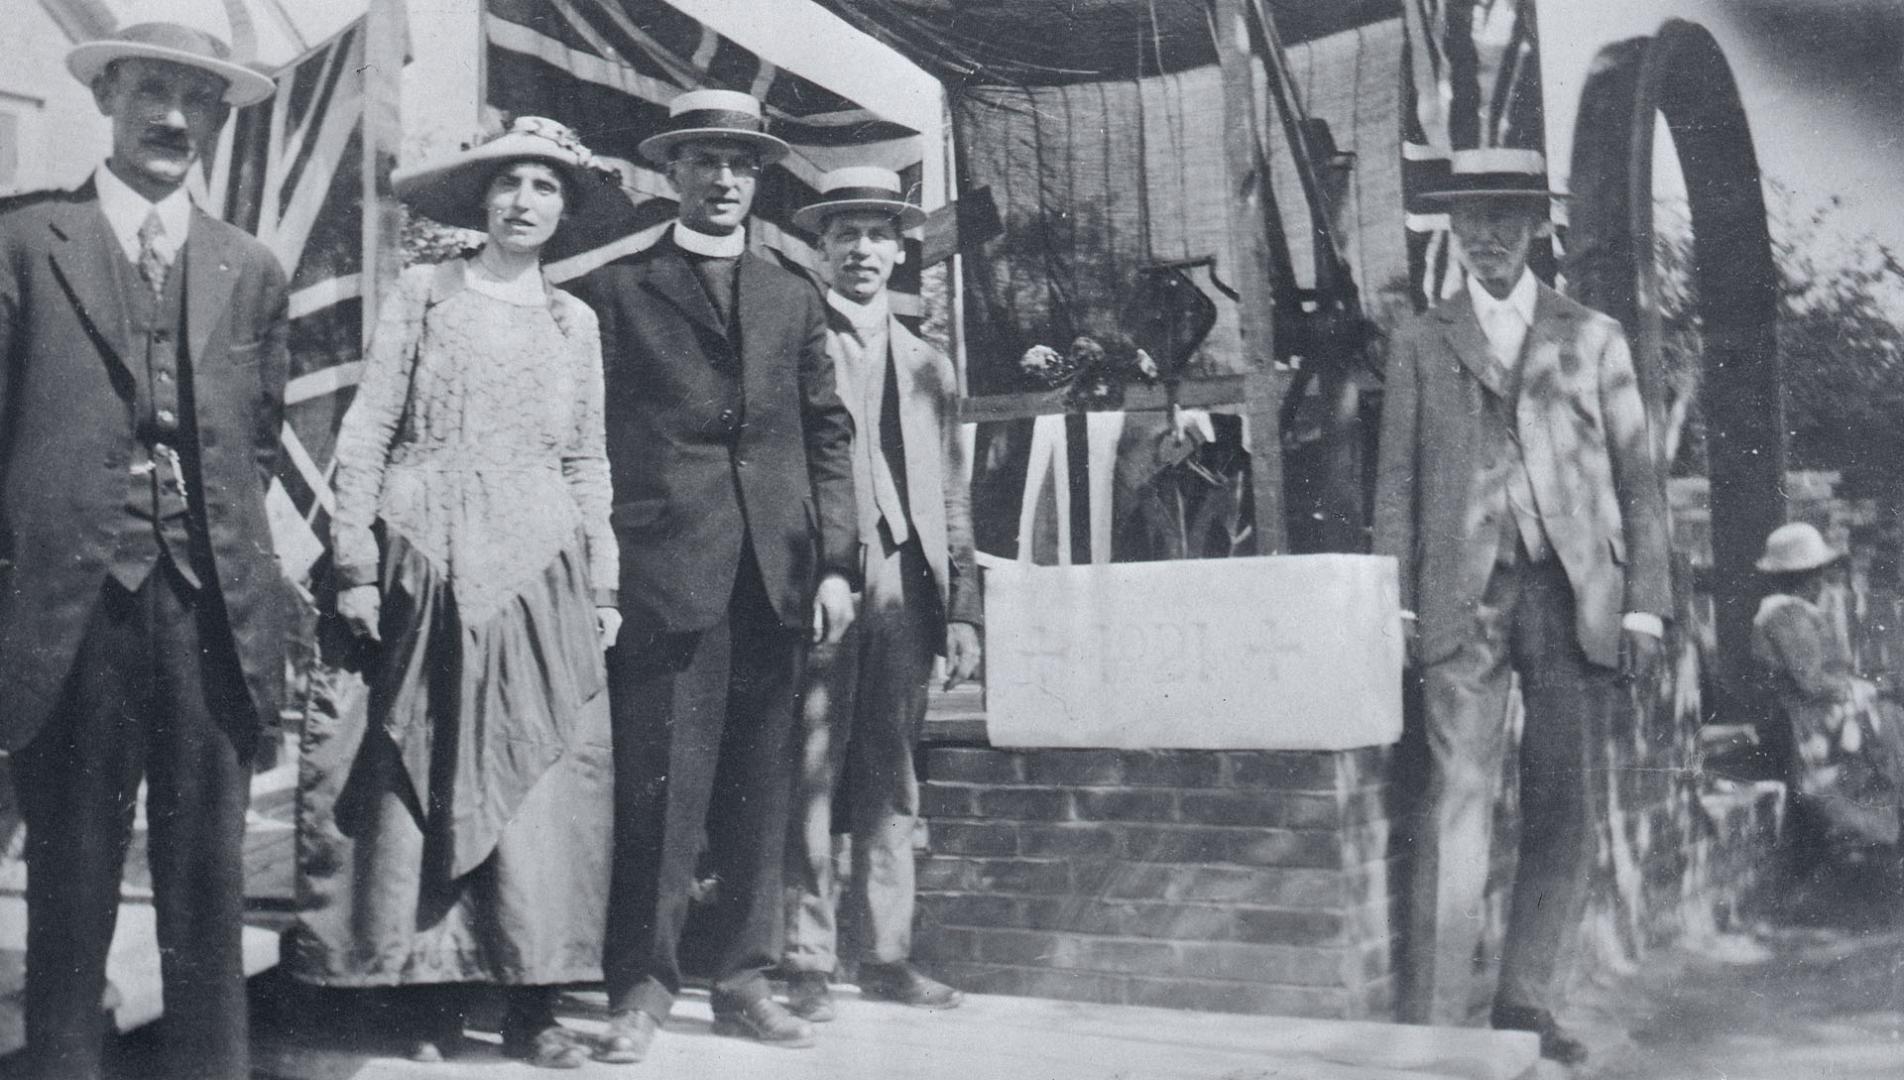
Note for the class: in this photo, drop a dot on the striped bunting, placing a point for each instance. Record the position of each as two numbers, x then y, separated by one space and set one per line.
1470 78
608 69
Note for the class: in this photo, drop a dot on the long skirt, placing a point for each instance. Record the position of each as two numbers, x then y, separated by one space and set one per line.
456 791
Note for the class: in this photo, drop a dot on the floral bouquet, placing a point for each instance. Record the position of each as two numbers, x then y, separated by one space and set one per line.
1093 372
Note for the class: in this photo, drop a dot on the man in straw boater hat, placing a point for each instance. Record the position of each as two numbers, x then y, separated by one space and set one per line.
865 699
142 367
731 455
1518 491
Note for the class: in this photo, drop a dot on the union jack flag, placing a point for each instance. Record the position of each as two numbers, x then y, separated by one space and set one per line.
608 69
290 171
1470 79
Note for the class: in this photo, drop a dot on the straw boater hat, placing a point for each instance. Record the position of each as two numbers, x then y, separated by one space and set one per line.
1493 173
178 44
714 114
862 187
1796 546
451 190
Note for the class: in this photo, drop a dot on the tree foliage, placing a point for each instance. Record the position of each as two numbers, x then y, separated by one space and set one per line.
1840 342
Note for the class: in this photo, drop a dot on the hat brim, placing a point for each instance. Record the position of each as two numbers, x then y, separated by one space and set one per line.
813 215
1767 566
243 86
451 190
657 148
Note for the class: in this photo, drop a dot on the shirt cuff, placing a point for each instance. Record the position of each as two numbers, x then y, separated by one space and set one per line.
350 575
1644 622
607 598
1408 616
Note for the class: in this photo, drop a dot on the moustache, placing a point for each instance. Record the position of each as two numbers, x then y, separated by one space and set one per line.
167 139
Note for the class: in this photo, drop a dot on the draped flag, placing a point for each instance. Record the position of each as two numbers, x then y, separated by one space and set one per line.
608 69
289 171
1470 78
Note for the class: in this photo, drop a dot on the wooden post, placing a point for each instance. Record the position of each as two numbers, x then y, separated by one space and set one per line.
386 43
1248 176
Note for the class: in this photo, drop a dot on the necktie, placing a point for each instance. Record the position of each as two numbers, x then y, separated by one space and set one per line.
152 262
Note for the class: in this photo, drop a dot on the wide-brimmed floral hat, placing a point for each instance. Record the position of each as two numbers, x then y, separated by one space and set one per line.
451 190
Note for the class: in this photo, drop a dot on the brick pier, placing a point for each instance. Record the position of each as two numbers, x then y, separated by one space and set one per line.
1233 881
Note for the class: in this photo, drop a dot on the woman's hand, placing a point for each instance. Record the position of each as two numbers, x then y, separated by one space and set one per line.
608 624
360 606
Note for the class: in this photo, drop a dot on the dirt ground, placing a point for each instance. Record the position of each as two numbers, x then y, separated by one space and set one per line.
1812 990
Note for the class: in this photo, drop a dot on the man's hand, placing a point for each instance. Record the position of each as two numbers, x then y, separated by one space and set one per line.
360 607
832 610
1639 656
962 652
608 625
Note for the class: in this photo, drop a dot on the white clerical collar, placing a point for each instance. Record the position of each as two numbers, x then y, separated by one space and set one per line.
126 211
709 246
1520 300
867 316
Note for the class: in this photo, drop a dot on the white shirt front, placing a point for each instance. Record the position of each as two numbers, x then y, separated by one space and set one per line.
1505 322
126 211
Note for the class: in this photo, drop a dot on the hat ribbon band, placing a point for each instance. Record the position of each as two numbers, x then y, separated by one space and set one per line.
715 118
856 194
1460 182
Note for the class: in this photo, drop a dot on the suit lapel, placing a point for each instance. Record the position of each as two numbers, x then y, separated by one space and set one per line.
85 259
209 280
671 276
917 429
1462 331
752 316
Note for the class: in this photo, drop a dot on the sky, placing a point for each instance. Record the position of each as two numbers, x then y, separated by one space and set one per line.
1822 82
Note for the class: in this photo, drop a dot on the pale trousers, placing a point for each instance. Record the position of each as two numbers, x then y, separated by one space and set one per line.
862 708
1525 625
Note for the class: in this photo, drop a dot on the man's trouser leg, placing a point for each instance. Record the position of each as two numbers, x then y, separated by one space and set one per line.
1465 699
1568 704
826 719
156 693
682 704
903 629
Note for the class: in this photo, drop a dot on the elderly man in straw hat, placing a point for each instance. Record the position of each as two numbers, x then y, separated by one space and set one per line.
732 462
866 697
1519 494
142 365
1847 743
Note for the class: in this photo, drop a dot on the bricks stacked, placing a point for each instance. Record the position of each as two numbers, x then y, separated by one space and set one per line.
1230 881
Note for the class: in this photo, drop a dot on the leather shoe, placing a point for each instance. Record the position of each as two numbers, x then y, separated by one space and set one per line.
765 1020
1555 1043
809 997
630 1033
907 985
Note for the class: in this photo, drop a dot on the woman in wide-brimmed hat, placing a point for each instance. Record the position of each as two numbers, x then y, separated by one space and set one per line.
1848 749
459 832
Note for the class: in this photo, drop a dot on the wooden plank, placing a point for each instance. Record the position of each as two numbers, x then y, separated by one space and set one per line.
1198 393
1250 210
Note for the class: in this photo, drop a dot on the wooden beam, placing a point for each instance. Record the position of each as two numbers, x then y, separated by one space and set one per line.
1196 393
1249 201
386 47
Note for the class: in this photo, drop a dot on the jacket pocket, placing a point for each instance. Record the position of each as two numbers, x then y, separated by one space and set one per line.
246 354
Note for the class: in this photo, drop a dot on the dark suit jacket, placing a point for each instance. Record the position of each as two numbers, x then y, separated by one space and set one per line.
692 422
66 437
1589 453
